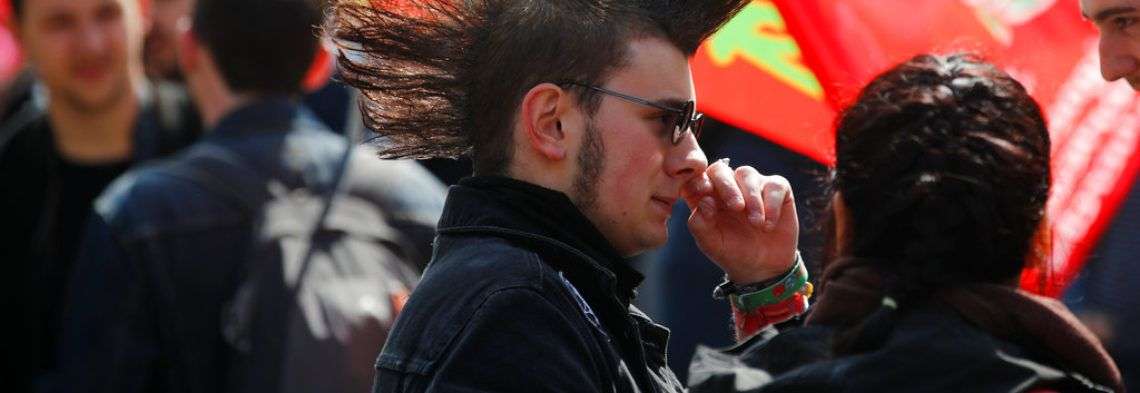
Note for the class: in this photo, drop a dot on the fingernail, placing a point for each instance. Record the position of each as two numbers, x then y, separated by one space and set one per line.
708 207
727 162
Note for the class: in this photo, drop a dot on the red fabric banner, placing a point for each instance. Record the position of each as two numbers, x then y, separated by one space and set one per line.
782 69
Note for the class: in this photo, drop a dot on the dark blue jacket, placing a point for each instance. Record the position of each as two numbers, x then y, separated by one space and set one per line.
163 255
523 294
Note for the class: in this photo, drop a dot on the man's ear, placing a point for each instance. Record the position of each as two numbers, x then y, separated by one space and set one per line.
540 114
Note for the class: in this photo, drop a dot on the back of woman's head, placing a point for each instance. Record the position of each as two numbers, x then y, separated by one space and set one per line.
943 169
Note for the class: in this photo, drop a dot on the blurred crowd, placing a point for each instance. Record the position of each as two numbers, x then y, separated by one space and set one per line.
109 88
184 182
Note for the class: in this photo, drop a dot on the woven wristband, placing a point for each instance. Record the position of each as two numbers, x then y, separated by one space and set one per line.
747 299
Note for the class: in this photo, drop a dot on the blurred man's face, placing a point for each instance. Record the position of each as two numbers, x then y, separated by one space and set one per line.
1117 21
83 50
161 42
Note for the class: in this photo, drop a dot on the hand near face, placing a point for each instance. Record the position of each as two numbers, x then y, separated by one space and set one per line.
744 221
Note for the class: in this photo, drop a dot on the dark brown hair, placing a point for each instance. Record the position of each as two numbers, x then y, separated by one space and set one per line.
943 165
262 47
444 78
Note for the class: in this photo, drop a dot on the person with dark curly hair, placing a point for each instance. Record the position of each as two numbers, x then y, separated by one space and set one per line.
579 118
939 190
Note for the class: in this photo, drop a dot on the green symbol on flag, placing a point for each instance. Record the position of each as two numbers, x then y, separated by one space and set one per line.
759 36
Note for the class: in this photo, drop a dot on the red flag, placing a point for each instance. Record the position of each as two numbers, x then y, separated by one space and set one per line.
778 47
752 75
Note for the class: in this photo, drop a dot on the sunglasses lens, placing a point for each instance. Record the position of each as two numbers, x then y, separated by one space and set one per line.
683 123
698 123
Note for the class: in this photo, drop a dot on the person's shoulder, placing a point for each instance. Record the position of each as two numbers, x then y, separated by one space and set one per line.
149 196
468 271
930 349
471 315
400 187
473 267
492 259
371 171
25 135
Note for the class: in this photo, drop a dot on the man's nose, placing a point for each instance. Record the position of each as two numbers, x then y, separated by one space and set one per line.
686 159
1116 59
92 39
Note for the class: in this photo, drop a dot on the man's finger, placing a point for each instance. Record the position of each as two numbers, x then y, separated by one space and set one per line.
695 189
751 184
776 191
724 181
703 212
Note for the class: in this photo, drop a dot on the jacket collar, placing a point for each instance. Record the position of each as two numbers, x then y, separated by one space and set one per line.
523 211
272 114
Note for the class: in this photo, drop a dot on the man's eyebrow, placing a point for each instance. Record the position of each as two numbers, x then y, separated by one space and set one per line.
1110 12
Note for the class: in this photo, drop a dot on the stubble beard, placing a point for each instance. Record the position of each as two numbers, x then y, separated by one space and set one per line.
591 161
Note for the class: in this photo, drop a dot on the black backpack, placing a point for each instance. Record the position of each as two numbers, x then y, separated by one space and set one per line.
326 277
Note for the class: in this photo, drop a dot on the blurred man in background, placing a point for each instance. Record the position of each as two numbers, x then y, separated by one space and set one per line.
99 120
265 258
1105 294
331 101
334 103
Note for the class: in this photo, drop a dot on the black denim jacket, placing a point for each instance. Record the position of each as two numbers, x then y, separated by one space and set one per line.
523 294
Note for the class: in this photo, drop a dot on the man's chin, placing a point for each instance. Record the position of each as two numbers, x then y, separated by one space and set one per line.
95 101
660 236
654 238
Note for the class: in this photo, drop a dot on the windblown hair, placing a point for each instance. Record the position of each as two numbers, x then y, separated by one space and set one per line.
444 78
943 165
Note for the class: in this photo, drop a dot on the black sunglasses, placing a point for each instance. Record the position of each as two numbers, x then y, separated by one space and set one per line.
682 119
